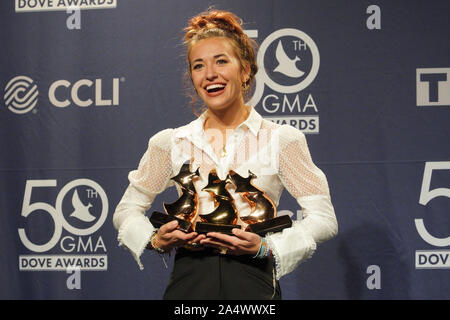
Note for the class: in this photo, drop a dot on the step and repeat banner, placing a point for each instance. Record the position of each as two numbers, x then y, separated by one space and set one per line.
83 90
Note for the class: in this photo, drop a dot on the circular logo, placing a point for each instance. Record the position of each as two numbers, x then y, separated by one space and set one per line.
21 95
85 209
289 73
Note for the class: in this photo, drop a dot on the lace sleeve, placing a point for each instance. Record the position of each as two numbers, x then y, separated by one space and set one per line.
153 173
150 178
309 186
300 176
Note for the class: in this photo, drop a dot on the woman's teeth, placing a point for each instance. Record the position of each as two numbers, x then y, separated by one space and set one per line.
215 87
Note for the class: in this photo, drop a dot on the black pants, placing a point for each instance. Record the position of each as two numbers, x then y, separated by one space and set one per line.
206 275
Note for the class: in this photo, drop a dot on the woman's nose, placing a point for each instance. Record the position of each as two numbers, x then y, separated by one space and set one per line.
211 73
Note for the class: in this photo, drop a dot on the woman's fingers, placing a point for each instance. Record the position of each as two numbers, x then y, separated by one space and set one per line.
220 241
168 227
170 236
245 235
198 238
242 242
221 237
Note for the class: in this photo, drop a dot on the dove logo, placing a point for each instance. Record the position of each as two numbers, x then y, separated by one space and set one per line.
284 63
287 65
288 61
80 210
21 95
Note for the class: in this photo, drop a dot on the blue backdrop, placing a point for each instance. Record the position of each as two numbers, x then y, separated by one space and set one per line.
83 90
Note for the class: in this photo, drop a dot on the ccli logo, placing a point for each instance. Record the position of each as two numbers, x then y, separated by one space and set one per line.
21 93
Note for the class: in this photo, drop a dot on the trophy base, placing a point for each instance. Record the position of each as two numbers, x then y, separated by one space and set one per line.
205 227
273 225
158 219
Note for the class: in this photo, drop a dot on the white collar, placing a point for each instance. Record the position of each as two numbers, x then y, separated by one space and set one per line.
195 127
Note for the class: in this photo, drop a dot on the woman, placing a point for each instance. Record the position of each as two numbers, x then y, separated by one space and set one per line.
229 135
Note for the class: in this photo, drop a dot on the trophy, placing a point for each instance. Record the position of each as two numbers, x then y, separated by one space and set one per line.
263 216
224 217
183 210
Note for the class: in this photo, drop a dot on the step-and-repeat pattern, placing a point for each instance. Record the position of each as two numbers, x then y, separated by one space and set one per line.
368 82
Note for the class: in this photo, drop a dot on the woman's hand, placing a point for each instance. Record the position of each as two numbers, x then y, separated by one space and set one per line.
243 242
169 237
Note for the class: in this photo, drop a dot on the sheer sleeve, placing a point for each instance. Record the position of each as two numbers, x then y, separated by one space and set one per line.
309 186
150 178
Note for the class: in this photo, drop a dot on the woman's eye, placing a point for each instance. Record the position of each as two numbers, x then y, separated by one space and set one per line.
221 61
197 66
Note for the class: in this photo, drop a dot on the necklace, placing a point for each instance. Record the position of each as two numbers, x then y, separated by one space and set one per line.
223 152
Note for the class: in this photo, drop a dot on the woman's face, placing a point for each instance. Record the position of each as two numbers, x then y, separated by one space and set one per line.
216 73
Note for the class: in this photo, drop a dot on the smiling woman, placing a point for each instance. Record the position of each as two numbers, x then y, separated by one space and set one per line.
222 66
226 26
229 137
217 75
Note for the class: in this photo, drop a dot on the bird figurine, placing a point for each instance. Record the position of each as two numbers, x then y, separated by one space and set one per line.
225 212
185 178
262 207
186 206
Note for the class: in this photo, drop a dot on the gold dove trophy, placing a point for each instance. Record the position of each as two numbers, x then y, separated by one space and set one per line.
263 216
225 216
185 208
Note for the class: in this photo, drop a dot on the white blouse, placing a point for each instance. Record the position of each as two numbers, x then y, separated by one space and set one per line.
277 154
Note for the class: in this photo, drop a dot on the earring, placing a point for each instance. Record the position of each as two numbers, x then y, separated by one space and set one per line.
245 86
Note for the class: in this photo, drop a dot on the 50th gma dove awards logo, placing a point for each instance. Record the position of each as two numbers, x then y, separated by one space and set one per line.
288 61
439 257
66 230
21 93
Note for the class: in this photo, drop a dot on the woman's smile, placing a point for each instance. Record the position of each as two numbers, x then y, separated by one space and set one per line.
217 74
215 89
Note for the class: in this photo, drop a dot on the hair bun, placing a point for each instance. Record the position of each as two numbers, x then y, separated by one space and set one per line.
214 19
